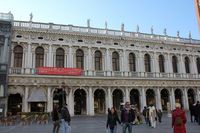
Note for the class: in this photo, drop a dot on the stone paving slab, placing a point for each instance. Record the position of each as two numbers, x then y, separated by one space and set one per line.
97 124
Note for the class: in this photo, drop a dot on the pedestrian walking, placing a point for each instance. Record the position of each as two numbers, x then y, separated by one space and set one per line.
55 119
127 118
152 115
159 114
192 111
179 119
65 120
144 113
112 120
198 112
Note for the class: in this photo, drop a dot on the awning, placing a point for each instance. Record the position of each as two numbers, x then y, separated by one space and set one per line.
37 96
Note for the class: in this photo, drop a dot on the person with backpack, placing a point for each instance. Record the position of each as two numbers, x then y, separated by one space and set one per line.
65 120
179 119
112 120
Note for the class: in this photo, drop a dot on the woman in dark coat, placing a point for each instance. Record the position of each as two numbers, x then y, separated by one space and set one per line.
112 120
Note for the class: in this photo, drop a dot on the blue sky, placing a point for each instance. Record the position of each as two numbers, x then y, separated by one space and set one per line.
171 14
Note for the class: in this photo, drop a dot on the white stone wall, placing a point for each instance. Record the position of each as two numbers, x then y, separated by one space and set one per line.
154 45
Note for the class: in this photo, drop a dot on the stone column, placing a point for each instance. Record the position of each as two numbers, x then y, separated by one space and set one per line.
71 102
185 99
70 57
89 61
141 62
109 98
49 100
198 94
25 102
172 99
24 59
65 59
29 56
91 102
168 64
194 66
108 62
143 99
5 50
49 57
158 99
127 95
156 63
12 58
181 65
125 63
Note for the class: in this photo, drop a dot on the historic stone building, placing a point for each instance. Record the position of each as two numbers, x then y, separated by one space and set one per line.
118 66
6 20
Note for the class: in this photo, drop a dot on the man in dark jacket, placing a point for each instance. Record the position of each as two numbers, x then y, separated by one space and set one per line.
65 120
55 118
127 118
192 111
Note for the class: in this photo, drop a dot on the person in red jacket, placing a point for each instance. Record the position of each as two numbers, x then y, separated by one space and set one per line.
179 119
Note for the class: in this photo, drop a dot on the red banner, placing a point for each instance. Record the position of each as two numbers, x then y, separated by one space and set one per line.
59 71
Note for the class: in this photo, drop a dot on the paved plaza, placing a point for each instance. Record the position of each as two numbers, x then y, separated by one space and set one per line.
97 124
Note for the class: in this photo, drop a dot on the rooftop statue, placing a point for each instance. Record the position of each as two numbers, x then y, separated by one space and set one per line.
165 32
31 17
138 28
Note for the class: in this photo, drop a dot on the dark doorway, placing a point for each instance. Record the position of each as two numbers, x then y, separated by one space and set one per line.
79 102
191 96
117 98
135 98
164 99
99 101
178 97
150 97
14 103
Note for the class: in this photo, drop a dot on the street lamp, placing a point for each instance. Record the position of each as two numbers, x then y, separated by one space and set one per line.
61 93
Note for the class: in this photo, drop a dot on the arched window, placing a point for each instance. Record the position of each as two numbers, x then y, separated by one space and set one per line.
60 57
115 61
39 57
187 65
18 56
132 65
174 64
147 63
198 65
161 61
98 60
79 59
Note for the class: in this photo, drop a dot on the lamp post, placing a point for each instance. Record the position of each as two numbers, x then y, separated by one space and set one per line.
63 92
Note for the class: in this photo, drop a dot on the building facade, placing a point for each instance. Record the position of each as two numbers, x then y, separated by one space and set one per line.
6 20
117 65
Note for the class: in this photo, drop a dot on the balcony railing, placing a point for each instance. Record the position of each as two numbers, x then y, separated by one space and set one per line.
107 32
87 73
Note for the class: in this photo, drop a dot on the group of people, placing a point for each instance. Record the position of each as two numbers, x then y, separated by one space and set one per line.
195 112
127 119
152 115
61 119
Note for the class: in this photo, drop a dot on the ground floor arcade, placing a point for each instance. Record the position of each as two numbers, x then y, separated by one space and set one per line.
91 100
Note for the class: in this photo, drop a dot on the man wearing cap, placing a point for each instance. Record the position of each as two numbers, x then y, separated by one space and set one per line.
65 120
178 119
